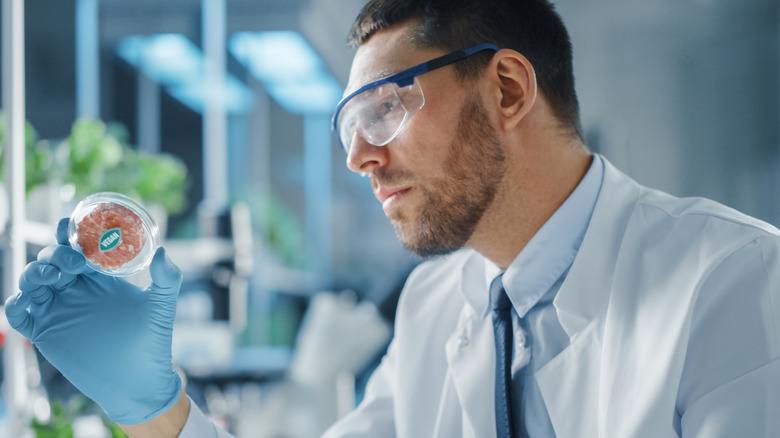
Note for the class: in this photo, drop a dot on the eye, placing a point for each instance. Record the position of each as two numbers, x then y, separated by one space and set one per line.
386 107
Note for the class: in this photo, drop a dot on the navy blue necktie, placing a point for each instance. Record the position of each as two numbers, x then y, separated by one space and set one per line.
502 329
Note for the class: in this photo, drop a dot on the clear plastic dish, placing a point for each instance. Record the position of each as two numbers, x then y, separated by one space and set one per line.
115 233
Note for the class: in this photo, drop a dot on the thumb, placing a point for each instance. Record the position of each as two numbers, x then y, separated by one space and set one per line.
17 314
166 276
62 231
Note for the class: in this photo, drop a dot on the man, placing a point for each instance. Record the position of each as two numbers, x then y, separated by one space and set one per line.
569 301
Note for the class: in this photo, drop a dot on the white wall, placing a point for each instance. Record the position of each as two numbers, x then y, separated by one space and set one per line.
684 95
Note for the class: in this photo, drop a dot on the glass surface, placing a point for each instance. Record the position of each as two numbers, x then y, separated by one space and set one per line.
378 114
115 233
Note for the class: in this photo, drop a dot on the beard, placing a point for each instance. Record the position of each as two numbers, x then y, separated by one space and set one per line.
455 203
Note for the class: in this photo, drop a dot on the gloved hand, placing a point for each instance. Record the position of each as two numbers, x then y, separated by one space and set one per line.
111 339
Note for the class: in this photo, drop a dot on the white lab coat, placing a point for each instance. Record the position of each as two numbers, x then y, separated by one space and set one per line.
672 307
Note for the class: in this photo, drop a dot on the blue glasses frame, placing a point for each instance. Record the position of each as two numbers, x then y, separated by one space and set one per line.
406 77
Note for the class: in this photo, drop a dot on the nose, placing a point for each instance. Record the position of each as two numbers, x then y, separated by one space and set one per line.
363 157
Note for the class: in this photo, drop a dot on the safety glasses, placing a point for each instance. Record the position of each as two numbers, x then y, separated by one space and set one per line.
378 111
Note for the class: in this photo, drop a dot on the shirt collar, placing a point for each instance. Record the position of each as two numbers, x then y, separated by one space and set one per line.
547 255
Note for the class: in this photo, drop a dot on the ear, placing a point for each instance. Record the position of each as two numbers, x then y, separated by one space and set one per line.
514 81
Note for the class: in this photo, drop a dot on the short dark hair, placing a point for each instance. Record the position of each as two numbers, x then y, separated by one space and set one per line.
531 27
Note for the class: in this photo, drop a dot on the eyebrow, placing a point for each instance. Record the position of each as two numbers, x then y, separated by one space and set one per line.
381 74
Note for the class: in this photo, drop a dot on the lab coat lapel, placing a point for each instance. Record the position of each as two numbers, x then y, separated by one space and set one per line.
585 292
570 382
468 351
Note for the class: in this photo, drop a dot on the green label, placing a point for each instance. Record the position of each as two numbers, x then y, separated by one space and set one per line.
110 239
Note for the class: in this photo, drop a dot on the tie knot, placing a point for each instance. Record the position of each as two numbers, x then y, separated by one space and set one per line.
499 300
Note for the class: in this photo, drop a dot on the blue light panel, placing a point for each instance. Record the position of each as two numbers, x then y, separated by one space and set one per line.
289 68
177 64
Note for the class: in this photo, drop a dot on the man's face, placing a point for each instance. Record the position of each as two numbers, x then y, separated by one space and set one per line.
437 178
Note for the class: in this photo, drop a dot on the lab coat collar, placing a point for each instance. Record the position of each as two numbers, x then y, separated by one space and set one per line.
544 259
585 292
571 382
553 248
472 281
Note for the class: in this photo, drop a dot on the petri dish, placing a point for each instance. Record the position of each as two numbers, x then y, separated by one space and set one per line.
114 232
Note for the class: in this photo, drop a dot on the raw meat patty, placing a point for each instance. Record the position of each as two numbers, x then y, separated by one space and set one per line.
94 229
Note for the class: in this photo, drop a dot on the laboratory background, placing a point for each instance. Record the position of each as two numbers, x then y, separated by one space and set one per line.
215 114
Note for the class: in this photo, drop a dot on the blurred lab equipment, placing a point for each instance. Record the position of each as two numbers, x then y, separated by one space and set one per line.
337 337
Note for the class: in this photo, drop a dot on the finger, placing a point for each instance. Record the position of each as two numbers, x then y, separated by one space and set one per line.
36 279
62 231
18 316
70 262
166 276
38 274
65 258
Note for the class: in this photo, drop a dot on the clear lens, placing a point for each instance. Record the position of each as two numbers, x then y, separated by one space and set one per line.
379 114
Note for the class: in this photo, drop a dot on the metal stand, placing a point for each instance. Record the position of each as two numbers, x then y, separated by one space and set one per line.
14 245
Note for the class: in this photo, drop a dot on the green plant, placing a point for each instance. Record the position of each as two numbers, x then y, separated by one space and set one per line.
88 157
96 157
160 179
116 431
60 425
280 229
38 156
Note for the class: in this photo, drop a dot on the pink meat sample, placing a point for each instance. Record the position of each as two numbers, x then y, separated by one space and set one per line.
93 228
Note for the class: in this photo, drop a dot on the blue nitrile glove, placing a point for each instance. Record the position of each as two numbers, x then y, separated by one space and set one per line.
111 339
